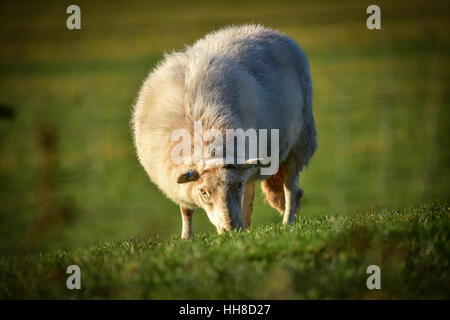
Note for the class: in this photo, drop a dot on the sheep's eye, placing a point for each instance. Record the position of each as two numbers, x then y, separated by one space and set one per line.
239 185
204 193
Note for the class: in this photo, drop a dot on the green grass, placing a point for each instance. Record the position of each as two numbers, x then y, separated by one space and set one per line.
318 257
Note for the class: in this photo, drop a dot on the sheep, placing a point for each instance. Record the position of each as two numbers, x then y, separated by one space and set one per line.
239 77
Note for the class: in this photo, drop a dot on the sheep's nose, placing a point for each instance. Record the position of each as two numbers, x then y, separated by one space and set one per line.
222 228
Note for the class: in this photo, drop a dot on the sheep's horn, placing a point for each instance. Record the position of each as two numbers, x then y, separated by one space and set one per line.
254 162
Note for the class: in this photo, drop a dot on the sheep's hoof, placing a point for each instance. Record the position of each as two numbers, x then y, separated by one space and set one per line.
186 236
288 222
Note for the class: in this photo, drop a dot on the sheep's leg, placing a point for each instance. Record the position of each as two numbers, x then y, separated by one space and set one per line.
247 203
186 216
292 193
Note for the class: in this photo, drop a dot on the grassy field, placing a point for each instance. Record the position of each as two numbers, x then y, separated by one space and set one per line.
317 258
69 177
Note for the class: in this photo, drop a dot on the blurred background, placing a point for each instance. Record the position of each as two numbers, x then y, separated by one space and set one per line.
69 176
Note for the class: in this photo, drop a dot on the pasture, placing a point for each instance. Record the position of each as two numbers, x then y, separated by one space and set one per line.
72 190
322 257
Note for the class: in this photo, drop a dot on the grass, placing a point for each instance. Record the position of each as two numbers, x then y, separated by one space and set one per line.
316 258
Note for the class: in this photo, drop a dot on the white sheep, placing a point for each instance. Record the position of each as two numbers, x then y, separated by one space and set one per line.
247 77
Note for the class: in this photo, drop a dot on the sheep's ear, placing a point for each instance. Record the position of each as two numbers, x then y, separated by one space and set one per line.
190 176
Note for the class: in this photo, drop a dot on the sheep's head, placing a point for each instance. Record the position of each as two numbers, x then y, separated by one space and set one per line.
218 190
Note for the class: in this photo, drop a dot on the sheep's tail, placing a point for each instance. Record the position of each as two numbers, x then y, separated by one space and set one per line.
273 189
